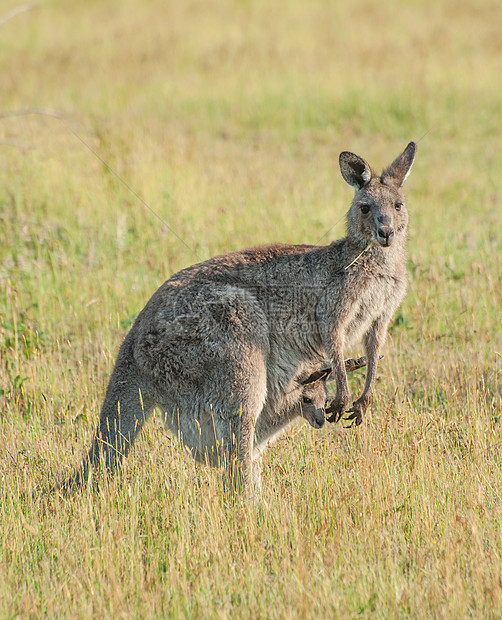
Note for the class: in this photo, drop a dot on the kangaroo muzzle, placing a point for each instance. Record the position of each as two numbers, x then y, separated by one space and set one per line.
317 420
385 235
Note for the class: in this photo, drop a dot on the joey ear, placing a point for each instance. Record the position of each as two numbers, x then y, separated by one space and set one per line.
354 169
400 168
317 376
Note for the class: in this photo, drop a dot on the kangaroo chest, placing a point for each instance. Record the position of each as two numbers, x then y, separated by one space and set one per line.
379 298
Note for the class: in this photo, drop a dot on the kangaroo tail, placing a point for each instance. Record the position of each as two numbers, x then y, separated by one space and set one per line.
126 407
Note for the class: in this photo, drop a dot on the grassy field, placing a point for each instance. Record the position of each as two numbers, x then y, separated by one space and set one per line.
226 119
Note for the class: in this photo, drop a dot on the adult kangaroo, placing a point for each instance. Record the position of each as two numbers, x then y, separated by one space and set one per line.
225 341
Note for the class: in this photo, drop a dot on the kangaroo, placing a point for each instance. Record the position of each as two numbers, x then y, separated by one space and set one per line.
309 402
224 340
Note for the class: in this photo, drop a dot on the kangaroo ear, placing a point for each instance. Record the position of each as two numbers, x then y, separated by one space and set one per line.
354 169
400 168
317 376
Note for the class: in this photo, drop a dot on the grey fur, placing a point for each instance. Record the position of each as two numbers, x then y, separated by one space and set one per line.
222 346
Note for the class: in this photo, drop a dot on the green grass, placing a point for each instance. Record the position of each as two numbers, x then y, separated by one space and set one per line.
227 119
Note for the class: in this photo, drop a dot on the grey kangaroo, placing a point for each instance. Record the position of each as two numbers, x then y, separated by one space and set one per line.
310 398
223 346
309 402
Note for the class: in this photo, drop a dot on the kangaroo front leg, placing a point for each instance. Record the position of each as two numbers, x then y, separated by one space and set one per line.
338 406
373 341
332 324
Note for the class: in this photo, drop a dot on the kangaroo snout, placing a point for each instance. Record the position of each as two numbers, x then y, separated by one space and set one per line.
315 416
318 419
385 235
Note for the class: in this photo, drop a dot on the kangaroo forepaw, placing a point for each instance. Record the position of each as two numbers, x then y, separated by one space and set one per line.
336 411
352 364
334 417
356 415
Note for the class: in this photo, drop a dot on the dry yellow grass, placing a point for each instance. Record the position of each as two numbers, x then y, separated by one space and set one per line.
227 119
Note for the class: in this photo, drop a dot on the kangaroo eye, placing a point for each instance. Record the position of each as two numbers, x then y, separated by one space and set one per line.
365 208
398 206
307 400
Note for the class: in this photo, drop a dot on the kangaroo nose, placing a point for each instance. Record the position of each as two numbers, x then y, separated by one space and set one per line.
319 418
385 234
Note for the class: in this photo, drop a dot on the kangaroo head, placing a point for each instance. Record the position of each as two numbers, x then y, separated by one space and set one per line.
378 211
314 397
